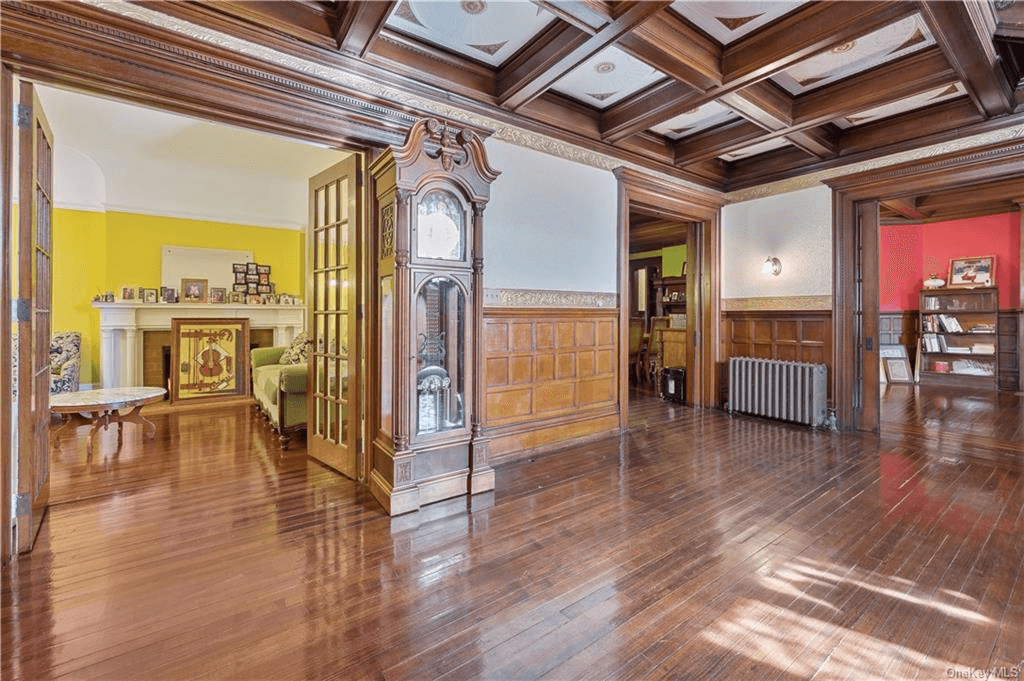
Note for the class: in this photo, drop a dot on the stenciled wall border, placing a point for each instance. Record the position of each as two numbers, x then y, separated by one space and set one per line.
522 297
780 303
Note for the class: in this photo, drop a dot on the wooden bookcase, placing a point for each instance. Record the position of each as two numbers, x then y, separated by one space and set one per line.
959 336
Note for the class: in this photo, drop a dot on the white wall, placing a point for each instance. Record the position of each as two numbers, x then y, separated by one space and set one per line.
78 182
796 228
550 224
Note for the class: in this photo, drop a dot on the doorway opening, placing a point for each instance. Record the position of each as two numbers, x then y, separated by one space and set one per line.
129 180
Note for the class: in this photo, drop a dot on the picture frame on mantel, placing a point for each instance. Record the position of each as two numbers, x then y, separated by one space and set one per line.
194 290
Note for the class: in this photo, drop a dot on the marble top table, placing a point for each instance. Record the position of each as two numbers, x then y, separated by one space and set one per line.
102 404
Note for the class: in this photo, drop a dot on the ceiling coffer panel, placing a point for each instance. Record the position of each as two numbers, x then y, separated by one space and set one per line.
482 30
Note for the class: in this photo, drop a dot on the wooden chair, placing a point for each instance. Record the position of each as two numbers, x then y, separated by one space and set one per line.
636 347
652 363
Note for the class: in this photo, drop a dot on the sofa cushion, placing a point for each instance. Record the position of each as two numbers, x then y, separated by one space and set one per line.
297 352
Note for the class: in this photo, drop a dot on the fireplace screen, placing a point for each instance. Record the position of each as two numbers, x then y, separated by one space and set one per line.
440 364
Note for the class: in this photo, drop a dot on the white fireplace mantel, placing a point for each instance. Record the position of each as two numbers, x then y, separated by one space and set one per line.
121 325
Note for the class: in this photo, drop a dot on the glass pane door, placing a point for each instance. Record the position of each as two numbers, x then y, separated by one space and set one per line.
333 414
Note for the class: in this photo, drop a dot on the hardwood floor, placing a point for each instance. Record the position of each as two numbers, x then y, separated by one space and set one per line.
695 546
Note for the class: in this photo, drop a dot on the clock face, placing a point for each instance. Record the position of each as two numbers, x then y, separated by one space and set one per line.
440 227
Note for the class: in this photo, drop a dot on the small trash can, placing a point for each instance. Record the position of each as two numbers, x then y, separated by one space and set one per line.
673 384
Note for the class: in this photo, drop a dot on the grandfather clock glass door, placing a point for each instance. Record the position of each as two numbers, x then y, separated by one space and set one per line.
333 414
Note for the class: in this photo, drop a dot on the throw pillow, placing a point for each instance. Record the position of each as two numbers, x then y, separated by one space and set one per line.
297 352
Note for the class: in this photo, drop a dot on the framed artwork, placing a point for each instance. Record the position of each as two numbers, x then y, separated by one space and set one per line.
209 358
252 278
892 351
263 288
239 277
897 370
253 298
250 268
970 272
251 288
218 295
150 295
127 293
263 269
168 294
242 288
238 267
194 290
236 297
263 278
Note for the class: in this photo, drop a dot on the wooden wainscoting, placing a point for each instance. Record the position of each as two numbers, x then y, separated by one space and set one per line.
551 375
789 335
1011 330
900 328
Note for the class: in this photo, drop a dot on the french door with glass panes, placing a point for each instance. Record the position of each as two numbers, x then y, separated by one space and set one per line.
333 414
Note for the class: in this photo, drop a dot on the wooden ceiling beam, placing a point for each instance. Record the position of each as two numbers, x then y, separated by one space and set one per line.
964 31
1001 191
358 24
812 28
817 142
670 44
586 15
561 49
712 143
903 207
912 75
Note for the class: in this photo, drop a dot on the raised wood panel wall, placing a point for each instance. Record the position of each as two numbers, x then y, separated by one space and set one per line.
792 336
1011 325
900 328
550 375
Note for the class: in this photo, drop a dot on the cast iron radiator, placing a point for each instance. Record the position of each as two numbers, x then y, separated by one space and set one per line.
790 391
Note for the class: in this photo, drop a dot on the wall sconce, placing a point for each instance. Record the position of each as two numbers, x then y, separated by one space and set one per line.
772 266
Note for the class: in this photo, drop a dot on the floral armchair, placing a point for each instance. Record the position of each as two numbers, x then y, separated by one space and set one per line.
65 362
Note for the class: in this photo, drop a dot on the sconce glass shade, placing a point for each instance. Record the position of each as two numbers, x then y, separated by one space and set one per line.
772 266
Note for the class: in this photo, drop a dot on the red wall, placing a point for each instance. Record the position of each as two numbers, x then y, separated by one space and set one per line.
911 253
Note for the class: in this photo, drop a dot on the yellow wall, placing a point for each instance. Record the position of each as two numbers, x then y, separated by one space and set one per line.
79 273
672 259
99 252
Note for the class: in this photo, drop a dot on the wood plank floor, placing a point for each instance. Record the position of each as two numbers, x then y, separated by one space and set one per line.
696 546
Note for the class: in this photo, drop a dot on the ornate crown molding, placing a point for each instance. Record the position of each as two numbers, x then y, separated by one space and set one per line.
519 297
779 303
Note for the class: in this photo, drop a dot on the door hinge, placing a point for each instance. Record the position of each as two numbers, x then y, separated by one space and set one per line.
23 116
21 310
22 504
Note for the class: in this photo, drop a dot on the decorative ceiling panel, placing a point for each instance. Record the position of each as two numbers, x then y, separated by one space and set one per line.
701 118
755 149
884 45
729 21
483 30
900 106
606 78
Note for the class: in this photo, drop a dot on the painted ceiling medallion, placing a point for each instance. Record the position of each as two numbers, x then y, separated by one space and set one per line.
490 49
473 6
732 23
604 67
845 47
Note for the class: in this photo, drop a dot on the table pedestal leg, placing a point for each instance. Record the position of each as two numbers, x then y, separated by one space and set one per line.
149 428
68 421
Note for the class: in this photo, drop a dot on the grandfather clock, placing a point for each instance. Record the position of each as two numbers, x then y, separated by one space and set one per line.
426 404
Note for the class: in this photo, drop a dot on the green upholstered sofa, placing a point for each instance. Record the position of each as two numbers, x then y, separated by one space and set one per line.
280 391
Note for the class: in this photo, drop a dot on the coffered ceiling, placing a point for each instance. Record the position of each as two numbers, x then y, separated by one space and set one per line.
726 94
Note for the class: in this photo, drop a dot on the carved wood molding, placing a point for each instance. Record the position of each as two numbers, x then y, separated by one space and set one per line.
543 298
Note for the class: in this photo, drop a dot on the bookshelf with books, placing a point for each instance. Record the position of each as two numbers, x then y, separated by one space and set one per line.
959 340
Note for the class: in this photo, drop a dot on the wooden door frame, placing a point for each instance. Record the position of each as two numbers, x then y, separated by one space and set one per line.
6 178
855 309
702 211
